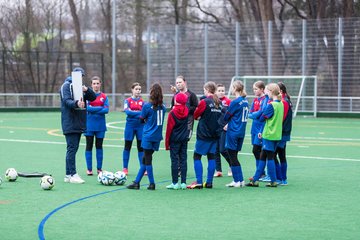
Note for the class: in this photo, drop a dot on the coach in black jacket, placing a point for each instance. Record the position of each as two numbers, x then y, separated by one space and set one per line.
73 122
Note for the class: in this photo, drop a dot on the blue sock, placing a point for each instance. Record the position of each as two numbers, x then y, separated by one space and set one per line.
234 170
198 171
140 173
126 156
283 170
259 170
150 173
278 171
88 157
140 157
211 170
271 170
99 158
237 174
257 163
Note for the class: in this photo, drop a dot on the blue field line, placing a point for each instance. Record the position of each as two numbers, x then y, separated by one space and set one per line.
43 221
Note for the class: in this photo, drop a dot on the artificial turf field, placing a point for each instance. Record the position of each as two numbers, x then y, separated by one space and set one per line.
320 202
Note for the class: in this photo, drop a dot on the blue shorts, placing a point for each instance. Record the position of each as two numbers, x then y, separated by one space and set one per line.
234 142
270 145
150 145
130 132
255 140
97 134
203 147
283 141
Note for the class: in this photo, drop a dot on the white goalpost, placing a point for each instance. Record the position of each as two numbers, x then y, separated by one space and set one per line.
305 88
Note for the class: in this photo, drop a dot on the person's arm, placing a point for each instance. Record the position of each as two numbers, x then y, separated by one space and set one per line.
268 113
193 103
200 109
169 128
130 113
144 112
89 94
230 111
67 98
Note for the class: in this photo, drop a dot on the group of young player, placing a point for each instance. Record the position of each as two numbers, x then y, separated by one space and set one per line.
220 132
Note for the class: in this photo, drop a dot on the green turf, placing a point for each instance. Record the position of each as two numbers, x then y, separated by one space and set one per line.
320 202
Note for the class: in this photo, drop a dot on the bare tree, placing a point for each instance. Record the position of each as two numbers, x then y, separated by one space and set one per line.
79 43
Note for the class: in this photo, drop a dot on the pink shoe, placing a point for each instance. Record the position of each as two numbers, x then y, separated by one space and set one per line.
89 172
99 171
145 173
126 171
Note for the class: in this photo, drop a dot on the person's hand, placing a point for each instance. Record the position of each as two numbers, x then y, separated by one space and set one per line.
84 88
225 127
81 103
173 89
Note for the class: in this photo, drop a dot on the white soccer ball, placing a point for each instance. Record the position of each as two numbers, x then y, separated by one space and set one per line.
120 178
1 180
11 174
47 182
107 178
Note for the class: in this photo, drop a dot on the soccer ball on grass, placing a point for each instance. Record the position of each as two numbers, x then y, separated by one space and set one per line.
120 178
47 182
11 174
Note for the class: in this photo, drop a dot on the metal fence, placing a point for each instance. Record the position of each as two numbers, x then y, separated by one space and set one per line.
327 48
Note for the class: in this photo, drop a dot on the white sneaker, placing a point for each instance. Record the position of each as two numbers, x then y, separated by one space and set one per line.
232 184
229 173
76 179
239 184
67 178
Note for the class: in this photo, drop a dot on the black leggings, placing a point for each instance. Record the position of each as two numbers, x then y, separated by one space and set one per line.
234 161
147 159
129 143
256 151
281 152
267 155
90 143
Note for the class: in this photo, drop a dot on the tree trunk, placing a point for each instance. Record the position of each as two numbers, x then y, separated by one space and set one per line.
79 44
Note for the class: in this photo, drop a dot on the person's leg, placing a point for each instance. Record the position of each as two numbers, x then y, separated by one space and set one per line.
126 153
72 141
174 156
99 153
183 161
88 152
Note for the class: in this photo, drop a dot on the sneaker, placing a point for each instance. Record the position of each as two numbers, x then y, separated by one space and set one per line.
99 171
183 186
284 183
271 184
134 185
265 179
151 186
251 179
67 178
195 185
236 184
76 179
207 185
252 184
89 172
173 186
229 173
218 174
278 182
145 173
126 171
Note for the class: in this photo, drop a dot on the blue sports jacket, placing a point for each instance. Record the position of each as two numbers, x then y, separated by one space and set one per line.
73 119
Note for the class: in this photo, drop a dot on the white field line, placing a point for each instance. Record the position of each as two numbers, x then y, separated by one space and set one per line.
119 146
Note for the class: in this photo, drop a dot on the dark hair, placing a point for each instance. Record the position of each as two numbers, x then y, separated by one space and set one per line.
156 96
283 89
260 84
96 78
211 88
182 77
135 84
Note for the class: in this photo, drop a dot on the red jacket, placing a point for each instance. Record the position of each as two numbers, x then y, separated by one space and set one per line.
181 112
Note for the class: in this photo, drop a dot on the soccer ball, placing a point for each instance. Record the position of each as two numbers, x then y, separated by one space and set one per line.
107 178
11 174
120 178
1 180
47 182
